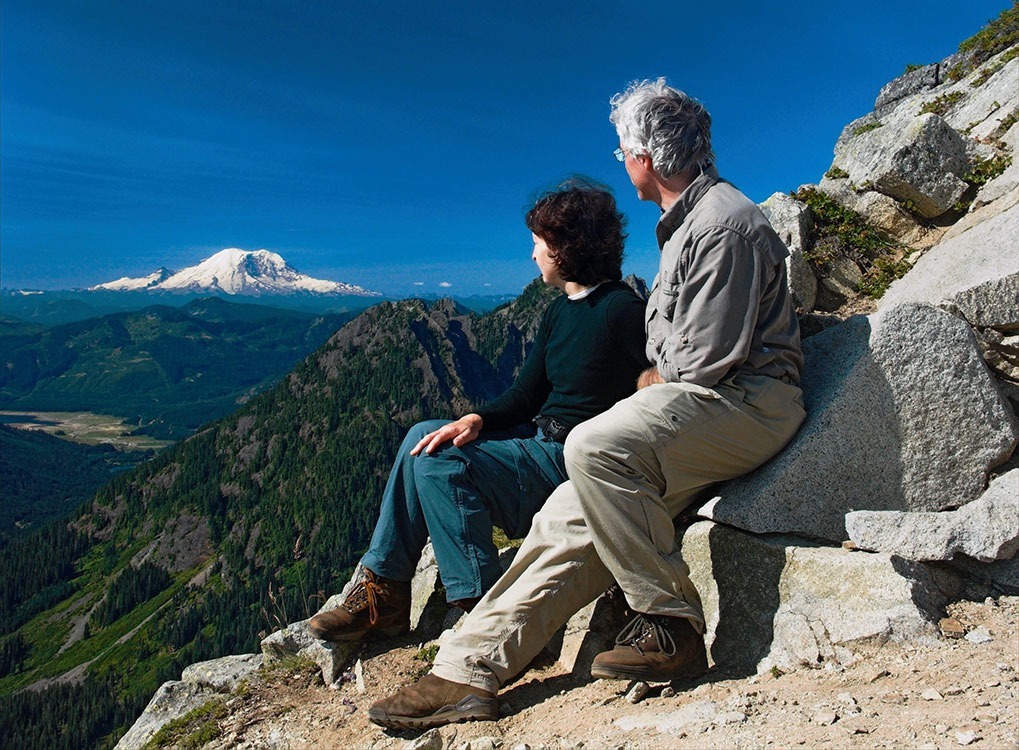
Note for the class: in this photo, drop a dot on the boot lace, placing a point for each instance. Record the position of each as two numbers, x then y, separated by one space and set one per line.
638 632
366 593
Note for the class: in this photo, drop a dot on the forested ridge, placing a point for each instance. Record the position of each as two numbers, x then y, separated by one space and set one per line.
165 369
247 525
44 477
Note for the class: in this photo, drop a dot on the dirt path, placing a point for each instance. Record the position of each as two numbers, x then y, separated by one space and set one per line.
949 694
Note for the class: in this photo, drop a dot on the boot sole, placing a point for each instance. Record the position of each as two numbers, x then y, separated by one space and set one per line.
623 672
387 632
479 711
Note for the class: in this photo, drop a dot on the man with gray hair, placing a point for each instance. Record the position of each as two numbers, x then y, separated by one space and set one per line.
721 398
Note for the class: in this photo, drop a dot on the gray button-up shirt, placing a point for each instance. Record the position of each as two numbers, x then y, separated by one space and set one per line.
720 305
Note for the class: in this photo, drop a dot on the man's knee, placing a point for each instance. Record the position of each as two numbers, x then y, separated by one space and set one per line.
582 447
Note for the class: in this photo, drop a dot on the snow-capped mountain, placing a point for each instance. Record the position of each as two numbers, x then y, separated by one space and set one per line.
234 271
125 284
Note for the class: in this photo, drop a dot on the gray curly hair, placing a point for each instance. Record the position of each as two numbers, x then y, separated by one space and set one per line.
673 128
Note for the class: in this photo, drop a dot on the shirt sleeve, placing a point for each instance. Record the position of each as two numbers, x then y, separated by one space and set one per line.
521 402
715 314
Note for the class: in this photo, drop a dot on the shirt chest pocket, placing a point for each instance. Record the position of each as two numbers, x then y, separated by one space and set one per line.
669 284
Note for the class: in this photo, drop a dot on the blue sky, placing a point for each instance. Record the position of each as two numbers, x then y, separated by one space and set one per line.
396 145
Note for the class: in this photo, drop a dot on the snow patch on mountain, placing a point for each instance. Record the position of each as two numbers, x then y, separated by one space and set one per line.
126 284
235 271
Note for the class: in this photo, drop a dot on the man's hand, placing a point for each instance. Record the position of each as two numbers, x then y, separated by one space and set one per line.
461 432
650 376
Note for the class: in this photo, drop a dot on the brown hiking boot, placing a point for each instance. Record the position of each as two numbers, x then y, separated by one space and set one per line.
434 702
655 648
374 605
465 604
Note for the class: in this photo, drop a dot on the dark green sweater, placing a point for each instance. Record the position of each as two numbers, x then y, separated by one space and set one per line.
586 356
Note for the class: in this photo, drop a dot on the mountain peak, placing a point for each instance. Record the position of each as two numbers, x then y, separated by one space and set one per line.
236 271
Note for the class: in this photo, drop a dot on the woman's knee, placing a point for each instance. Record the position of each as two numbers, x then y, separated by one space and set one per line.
419 430
439 467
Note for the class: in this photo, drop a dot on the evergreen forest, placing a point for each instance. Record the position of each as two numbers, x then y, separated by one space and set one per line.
247 525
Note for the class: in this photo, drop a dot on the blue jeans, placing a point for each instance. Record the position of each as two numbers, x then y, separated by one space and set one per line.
455 496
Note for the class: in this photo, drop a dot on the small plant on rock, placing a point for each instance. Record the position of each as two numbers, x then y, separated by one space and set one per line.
425 654
842 232
1005 125
866 128
985 170
998 35
942 104
193 730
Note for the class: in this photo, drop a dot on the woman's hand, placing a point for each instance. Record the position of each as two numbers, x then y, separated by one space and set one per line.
650 376
461 432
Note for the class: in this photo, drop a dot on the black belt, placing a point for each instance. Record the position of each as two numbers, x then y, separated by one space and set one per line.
552 428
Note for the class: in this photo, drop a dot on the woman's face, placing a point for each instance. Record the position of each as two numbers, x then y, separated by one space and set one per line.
546 263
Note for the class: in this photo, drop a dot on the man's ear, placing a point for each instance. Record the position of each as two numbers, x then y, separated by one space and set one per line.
646 163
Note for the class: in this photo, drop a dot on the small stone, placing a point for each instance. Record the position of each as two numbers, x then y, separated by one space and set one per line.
849 544
668 692
878 675
956 689
846 699
941 728
730 717
979 635
825 718
985 717
430 740
637 692
522 746
846 658
896 699
951 628
483 743
967 737
359 677
930 694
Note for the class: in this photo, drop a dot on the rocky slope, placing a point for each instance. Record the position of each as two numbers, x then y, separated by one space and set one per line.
946 693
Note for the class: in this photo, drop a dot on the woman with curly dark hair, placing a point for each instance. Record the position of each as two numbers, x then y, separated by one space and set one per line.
453 481
581 222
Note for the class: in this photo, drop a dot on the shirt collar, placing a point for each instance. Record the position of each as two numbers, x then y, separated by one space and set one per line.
585 293
674 216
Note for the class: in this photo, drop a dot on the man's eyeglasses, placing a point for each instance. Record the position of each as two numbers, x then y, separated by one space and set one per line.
620 154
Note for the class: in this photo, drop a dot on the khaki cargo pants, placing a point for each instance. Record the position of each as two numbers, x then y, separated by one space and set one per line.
632 469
